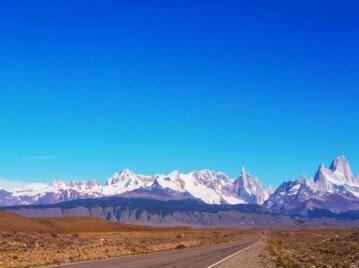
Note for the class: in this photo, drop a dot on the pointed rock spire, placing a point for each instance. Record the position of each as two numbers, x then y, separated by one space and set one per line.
243 170
341 165
302 179
250 189
319 175
243 173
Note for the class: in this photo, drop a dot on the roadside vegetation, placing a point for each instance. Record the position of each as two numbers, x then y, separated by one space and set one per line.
315 248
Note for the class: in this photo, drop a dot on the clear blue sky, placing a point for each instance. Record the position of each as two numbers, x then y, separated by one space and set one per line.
88 88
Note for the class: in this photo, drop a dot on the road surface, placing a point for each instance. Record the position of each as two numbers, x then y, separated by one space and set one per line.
193 257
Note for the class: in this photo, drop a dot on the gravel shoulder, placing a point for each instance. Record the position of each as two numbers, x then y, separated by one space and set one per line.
253 257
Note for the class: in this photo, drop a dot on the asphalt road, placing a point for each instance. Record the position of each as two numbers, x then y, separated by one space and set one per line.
195 257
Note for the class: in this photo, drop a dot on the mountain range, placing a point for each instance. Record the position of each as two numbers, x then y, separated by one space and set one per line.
331 192
335 189
209 186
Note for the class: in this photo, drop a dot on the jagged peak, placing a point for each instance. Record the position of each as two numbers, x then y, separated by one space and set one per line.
246 176
243 170
58 183
123 175
174 173
243 175
340 164
319 174
302 179
339 169
126 171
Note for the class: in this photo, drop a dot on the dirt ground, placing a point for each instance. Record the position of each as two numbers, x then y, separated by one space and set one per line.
301 248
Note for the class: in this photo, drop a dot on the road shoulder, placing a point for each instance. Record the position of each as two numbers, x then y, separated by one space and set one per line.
252 257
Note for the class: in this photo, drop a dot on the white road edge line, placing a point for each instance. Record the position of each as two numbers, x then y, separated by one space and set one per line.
219 262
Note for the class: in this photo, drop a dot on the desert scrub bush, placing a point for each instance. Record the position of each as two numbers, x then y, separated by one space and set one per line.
180 246
276 250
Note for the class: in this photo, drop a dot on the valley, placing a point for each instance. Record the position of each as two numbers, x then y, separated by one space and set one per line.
70 239
26 242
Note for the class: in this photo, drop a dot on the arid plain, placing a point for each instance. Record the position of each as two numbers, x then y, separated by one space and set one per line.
30 242
27 242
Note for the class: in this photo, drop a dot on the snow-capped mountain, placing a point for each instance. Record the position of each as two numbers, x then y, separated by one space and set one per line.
251 189
57 191
334 189
337 178
209 186
125 181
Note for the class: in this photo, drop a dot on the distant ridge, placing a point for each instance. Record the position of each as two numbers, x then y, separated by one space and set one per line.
151 212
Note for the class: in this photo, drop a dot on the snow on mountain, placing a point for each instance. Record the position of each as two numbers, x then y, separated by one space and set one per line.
33 189
334 188
4 194
57 191
125 181
206 185
209 186
337 178
250 188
